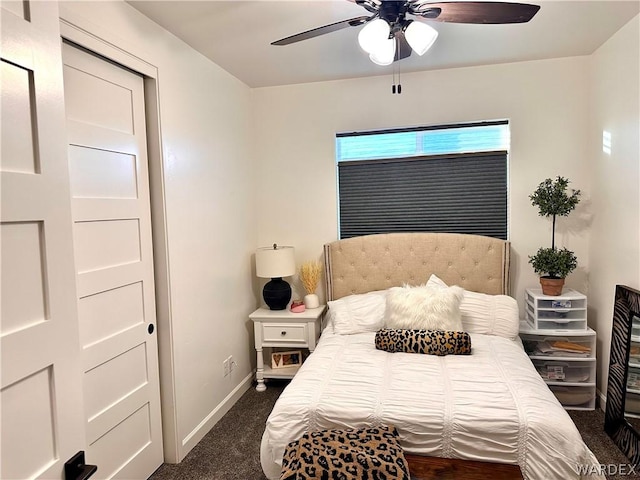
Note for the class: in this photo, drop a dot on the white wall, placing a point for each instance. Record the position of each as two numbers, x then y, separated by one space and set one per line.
614 250
205 126
545 101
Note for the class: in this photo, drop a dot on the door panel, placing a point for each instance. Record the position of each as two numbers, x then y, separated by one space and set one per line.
31 401
102 174
110 313
24 301
103 390
130 437
18 152
20 8
114 262
41 394
98 101
102 244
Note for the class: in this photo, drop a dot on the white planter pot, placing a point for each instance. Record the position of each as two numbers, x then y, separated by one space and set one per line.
311 301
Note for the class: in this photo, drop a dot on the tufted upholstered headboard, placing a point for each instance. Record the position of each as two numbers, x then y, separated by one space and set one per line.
377 262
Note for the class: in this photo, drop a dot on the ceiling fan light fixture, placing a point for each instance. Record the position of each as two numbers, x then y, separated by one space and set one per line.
420 36
374 34
385 52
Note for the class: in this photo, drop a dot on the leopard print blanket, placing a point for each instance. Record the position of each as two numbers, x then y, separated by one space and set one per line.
349 454
432 342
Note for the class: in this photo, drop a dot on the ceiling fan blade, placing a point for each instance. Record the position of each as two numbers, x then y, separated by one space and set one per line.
403 50
476 12
372 6
316 32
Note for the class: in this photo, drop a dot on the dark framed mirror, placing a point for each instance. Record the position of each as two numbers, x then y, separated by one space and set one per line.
622 416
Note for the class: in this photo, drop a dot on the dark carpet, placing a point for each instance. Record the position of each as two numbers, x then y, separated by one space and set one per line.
591 427
231 450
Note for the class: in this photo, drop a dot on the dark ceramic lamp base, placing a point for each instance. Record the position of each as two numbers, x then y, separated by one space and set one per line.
276 294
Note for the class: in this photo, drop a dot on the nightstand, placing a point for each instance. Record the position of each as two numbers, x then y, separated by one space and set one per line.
282 328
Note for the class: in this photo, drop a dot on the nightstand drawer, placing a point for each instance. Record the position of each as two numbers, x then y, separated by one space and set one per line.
284 333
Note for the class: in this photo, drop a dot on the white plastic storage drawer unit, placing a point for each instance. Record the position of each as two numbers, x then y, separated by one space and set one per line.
575 397
566 360
562 312
545 345
566 371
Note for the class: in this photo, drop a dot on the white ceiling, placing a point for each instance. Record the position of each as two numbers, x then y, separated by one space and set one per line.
237 34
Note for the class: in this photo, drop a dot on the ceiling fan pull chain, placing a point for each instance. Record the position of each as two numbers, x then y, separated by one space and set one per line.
393 77
399 84
395 90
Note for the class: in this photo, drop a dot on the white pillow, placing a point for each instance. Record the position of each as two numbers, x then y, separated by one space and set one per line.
357 313
424 307
489 314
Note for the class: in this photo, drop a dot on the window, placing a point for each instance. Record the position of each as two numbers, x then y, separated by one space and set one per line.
450 178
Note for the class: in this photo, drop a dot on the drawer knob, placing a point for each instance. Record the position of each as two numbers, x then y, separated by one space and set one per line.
283 333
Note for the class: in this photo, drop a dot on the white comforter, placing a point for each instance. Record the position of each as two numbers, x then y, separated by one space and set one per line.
489 406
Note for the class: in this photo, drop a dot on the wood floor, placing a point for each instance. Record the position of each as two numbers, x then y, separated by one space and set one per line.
432 468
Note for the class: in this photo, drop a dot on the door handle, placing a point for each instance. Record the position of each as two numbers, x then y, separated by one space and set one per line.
76 469
150 328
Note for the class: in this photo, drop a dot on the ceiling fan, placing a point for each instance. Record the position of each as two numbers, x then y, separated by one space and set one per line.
388 35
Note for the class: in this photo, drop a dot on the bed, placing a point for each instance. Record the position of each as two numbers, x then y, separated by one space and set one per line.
490 406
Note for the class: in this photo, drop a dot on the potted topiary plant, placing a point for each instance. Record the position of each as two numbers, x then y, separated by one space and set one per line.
552 264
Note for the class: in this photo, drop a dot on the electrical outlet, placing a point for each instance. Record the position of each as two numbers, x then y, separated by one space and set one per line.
225 367
232 363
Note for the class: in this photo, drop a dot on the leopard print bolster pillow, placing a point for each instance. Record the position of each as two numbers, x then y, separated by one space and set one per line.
431 342
349 454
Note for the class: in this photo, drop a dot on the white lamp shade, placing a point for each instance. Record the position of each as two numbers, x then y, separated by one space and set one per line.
275 262
372 34
420 36
384 53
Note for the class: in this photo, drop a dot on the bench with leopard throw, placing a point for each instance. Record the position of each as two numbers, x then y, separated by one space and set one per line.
349 454
432 342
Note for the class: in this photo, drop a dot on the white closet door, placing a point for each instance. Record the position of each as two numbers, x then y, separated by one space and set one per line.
114 261
40 394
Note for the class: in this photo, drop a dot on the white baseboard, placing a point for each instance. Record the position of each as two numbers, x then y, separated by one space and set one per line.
216 414
603 400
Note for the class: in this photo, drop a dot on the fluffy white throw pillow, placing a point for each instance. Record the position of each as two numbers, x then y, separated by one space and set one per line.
489 314
424 307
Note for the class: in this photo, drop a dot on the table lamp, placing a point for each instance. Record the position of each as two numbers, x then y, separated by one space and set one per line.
276 262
